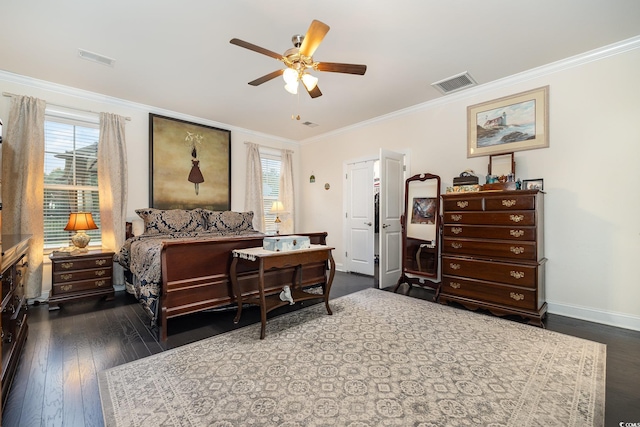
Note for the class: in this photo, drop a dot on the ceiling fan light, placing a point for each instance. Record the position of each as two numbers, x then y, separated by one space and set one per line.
290 76
292 88
309 81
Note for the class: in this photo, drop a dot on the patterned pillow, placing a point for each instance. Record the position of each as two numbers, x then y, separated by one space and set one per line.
228 221
158 221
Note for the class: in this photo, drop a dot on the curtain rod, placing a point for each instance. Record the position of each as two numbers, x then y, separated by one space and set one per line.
11 95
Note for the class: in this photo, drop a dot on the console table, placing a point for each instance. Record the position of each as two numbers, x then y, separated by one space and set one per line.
267 260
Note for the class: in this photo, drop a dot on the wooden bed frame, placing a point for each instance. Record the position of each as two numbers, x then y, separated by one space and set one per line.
195 275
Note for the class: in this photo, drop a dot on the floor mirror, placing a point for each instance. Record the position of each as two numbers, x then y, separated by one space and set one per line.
421 224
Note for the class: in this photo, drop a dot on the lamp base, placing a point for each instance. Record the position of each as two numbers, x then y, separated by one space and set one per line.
80 241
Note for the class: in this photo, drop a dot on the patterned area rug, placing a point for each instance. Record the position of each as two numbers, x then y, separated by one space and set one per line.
382 359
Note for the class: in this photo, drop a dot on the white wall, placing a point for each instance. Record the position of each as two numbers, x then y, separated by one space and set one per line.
590 172
137 135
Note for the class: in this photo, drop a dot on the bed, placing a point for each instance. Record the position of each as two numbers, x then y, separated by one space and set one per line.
180 263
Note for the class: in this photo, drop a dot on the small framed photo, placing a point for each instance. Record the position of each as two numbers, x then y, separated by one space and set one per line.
532 184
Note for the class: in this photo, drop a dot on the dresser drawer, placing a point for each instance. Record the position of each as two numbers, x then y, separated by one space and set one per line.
510 202
83 285
489 232
72 276
490 249
82 263
514 274
463 204
494 293
520 218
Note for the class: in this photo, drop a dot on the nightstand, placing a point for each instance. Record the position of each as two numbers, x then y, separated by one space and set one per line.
76 276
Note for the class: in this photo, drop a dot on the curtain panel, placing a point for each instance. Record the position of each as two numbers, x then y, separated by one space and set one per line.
286 193
23 183
253 195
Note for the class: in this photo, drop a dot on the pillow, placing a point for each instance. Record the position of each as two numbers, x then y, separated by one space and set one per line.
158 221
228 221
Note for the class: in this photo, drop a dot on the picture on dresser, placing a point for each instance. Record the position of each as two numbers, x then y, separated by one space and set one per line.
512 123
532 184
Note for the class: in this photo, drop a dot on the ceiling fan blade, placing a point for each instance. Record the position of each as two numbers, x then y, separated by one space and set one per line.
315 92
255 48
316 32
266 78
335 67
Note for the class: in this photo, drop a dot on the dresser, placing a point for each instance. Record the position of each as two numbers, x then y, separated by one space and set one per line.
493 252
76 276
14 305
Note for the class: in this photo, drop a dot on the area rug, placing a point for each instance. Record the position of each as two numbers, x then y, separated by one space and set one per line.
382 359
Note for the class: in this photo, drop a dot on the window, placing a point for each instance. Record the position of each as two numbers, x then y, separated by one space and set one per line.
271 164
70 177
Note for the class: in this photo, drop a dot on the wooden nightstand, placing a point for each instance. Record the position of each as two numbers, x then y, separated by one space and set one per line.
81 275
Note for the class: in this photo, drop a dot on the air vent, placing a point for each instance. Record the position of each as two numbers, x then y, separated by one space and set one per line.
94 57
455 83
309 124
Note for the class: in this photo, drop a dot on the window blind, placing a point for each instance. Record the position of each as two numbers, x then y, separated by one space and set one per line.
271 165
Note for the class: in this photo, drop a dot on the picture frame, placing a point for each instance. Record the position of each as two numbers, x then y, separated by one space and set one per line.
512 123
189 165
533 184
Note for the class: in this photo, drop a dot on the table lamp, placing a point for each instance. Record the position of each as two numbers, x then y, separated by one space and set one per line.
277 208
80 222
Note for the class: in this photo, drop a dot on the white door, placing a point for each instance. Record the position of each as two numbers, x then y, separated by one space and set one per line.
391 209
360 229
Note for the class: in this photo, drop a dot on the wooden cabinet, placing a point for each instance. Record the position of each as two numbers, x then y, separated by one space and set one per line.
14 306
493 252
78 276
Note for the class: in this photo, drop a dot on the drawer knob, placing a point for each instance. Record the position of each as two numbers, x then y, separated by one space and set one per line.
100 283
66 265
508 203
66 276
456 245
454 285
462 204
456 217
517 249
516 218
516 233
66 287
100 273
454 266
517 274
517 297
456 230
101 262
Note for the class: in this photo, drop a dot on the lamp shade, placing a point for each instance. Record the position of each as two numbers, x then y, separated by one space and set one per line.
290 76
309 81
80 221
277 207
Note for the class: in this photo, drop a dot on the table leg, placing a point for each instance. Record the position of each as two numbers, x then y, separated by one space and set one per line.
263 302
332 272
233 275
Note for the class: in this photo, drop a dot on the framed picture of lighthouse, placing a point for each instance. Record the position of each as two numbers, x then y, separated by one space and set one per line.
189 165
513 123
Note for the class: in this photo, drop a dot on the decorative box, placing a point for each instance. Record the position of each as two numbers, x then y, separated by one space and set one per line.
463 188
285 243
465 180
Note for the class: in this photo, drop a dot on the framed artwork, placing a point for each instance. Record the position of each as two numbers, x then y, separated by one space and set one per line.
189 165
533 184
513 123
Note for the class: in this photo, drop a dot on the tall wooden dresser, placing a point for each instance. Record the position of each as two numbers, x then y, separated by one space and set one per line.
493 252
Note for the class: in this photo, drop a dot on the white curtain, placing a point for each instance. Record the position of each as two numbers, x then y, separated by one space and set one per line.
286 193
112 185
253 194
23 182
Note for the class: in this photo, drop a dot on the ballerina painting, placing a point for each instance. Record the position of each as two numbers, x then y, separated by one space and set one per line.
195 175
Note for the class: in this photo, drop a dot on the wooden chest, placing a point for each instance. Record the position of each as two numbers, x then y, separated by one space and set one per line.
493 252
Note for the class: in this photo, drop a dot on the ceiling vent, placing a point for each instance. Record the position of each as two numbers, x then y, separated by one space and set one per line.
310 124
455 83
94 57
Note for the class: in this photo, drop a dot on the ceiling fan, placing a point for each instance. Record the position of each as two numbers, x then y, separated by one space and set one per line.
299 59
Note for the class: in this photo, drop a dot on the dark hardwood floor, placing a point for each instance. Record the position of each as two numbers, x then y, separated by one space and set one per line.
56 381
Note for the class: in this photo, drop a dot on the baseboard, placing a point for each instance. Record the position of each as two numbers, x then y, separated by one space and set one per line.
619 320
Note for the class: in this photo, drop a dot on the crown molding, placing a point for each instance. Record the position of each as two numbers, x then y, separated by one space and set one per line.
534 73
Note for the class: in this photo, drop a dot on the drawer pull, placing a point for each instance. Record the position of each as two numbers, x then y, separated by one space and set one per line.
462 204
454 285
100 283
516 233
517 297
516 218
66 287
100 273
66 276
517 249
508 203
454 266
101 262
456 217
66 265
456 230
456 245
517 274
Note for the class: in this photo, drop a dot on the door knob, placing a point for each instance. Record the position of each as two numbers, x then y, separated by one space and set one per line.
368 223
386 225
